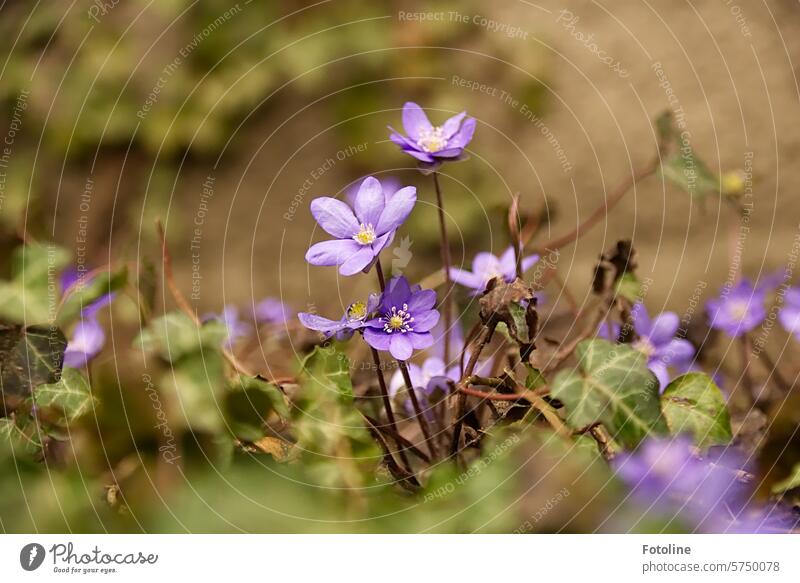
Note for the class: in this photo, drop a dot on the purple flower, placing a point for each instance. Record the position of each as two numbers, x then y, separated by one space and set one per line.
272 311
235 327
789 316
406 316
86 342
73 278
427 143
426 378
353 319
360 235
486 266
739 310
390 185
656 339
666 475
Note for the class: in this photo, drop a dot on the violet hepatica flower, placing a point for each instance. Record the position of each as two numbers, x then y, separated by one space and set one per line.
739 310
389 184
428 143
86 342
272 311
405 318
71 278
789 316
427 378
656 339
361 232
230 318
486 266
353 319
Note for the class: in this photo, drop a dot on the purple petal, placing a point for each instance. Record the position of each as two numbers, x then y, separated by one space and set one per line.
377 339
789 317
400 346
370 201
449 153
641 320
465 278
415 121
433 367
676 352
318 323
528 262
484 264
507 263
419 155
663 328
396 210
422 300
358 261
420 341
464 135
660 370
87 340
334 216
401 140
424 321
398 292
332 252
450 127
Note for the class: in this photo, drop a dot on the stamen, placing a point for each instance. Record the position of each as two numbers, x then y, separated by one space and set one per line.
397 320
432 140
366 234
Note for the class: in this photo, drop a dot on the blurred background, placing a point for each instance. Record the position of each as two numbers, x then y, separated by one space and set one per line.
225 119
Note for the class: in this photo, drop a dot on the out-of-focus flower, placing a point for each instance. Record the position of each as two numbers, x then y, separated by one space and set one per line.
406 318
486 266
86 342
272 311
789 316
656 340
71 278
361 232
425 378
354 318
666 476
230 318
428 143
739 311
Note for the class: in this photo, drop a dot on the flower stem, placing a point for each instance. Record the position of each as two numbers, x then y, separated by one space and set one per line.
446 262
387 404
423 424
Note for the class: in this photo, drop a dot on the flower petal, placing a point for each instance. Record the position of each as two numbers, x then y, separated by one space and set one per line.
663 328
420 341
397 209
334 216
398 292
465 278
401 140
677 352
464 135
450 127
662 374
419 155
528 262
358 261
415 121
433 367
422 300
401 346
318 323
333 252
370 201
377 339
449 153
424 321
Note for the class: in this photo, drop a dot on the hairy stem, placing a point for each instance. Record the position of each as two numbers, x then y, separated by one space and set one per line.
387 404
446 263
423 423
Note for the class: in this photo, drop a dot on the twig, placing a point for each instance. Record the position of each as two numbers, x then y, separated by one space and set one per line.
444 245
423 423
399 438
600 212
387 404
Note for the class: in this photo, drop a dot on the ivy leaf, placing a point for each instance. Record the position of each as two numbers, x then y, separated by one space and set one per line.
330 368
614 387
175 335
29 295
791 482
197 384
72 395
29 357
249 404
693 404
80 297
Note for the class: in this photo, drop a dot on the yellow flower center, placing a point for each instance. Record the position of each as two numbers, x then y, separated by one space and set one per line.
357 311
644 346
398 320
739 309
366 235
432 140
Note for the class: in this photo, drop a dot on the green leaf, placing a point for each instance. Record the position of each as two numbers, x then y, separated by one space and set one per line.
32 295
690 173
614 387
693 404
29 357
72 395
175 335
101 284
195 386
330 368
791 482
629 287
249 404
